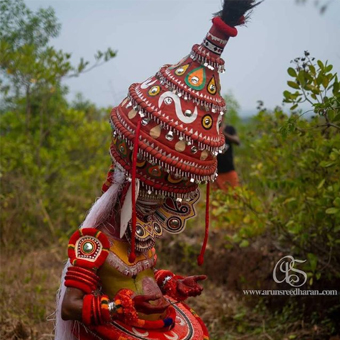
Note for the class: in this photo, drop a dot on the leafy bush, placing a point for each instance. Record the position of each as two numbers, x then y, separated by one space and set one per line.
54 154
290 173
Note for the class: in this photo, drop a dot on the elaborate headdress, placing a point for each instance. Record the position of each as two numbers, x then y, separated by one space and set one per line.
166 132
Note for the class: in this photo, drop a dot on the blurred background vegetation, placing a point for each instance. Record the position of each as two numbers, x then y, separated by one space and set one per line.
54 158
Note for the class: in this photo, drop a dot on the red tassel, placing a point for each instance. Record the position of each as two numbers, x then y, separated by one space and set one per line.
200 258
132 256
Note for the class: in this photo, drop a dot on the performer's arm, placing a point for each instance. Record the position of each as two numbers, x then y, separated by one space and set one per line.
231 135
72 305
88 249
232 138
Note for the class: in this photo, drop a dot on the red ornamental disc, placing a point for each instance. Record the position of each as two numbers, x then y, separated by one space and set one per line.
88 248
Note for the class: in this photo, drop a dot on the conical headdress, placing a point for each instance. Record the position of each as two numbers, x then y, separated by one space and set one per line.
166 132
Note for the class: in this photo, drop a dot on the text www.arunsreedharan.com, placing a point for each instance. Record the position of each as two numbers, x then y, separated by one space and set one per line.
296 291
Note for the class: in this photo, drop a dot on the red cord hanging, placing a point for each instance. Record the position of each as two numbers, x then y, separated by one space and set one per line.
132 256
200 258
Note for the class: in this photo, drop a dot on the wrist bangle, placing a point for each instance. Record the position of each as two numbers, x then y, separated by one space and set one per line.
166 280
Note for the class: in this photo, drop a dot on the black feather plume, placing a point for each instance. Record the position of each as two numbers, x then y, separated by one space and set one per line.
233 10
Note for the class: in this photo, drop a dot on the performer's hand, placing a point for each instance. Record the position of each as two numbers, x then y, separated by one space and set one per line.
189 286
143 305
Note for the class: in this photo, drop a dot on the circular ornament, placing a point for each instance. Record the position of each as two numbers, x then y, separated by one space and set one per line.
88 247
207 122
174 224
157 229
154 91
155 171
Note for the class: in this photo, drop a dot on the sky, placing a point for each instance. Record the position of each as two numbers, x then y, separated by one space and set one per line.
150 33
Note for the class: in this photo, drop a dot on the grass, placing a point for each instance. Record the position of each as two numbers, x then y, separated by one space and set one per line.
30 282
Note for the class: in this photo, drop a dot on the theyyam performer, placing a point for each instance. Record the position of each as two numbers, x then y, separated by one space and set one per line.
165 138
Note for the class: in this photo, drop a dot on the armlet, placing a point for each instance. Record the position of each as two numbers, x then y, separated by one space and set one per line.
88 248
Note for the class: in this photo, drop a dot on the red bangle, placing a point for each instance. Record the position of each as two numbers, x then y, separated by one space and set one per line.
161 275
84 271
82 278
86 312
98 306
94 311
84 286
79 285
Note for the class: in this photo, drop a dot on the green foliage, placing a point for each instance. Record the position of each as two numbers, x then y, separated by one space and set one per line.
316 85
27 64
19 26
241 212
290 174
233 108
46 182
289 198
54 155
292 191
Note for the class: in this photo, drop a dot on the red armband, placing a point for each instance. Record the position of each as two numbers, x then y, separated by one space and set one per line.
81 278
87 250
